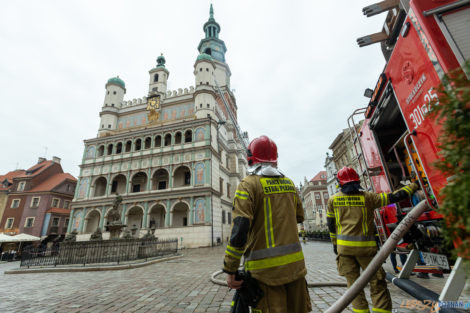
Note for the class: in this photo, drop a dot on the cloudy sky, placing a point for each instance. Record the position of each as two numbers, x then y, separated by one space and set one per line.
296 69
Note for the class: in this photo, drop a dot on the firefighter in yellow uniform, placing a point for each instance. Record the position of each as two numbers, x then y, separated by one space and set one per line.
350 219
266 210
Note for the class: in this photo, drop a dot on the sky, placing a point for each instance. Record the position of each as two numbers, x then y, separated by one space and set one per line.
297 72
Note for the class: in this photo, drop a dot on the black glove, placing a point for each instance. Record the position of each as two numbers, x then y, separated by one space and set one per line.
335 250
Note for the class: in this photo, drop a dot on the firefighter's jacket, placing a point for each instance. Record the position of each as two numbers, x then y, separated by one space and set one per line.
350 219
266 211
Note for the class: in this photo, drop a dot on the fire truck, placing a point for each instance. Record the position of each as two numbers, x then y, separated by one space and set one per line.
397 143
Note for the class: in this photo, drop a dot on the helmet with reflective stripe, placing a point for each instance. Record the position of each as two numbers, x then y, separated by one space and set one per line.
262 150
347 175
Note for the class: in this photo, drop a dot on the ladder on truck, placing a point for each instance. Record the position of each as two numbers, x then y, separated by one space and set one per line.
364 170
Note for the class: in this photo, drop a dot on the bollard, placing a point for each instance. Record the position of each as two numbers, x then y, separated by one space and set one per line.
379 258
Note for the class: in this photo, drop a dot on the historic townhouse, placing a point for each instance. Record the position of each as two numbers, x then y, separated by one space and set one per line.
175 157
38 201
315 201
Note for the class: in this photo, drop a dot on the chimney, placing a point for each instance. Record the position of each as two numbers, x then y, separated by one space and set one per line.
56 159
41 159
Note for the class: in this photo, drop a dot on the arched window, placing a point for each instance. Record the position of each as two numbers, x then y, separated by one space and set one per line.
119 148
155 78
167 140
101 151
188 136
148 142
182 177
138 145
110 149
160 180
158 141
118 185
208 51
139 182
178 138
128 146
100 187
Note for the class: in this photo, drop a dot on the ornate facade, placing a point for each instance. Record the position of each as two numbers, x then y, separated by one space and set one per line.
175 157
314 195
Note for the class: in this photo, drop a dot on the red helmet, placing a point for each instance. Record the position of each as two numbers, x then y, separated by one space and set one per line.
262 150
347 175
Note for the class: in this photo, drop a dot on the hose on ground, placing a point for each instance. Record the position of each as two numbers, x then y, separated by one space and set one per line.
379 258
310 285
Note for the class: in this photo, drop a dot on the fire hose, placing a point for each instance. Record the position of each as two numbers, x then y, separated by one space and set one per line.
387 248
310 285
379 259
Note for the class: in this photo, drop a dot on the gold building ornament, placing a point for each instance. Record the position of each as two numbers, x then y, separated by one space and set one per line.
153 104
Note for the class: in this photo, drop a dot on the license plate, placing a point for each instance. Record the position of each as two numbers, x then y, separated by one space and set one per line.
436 260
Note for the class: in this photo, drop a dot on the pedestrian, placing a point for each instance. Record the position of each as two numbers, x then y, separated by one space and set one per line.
266 211
350 219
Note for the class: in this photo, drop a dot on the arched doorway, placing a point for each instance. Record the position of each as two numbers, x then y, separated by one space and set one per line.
157 216
160 180
134 217
180 215
92 221
182 177
100 187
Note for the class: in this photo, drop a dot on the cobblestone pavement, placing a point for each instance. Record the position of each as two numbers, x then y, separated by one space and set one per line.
180 285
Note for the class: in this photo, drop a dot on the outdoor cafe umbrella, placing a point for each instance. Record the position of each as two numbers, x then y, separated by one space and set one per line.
25 237
6 238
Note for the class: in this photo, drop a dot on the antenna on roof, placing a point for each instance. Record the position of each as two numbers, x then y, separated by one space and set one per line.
45 152
17 164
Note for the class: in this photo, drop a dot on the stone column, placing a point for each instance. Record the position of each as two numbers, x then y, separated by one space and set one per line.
82 222
168 214
69 226
123 213
149 179
191 211
146 210
103 212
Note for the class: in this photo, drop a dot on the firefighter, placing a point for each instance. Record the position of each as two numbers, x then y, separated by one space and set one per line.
350 219
266 211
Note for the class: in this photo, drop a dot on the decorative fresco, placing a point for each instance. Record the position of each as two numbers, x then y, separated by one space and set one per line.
90 152
82 189
77 218
199 177
199 207
200 134
167 114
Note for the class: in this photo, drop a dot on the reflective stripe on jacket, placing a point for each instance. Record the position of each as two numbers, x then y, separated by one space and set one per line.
353 229
272 252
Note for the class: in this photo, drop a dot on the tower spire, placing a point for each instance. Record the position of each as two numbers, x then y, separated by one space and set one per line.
211 13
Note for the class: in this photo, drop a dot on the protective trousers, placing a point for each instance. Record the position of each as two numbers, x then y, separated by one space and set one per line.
288 298
350 266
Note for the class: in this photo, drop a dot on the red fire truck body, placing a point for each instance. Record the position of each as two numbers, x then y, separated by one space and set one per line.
399 141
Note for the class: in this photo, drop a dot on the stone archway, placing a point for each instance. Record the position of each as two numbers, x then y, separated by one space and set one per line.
180 214
118 185
135 217
92 221
160 179
182 177
139 182
100 187
157 216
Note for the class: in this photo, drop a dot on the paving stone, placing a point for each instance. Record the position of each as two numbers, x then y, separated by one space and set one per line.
181 285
